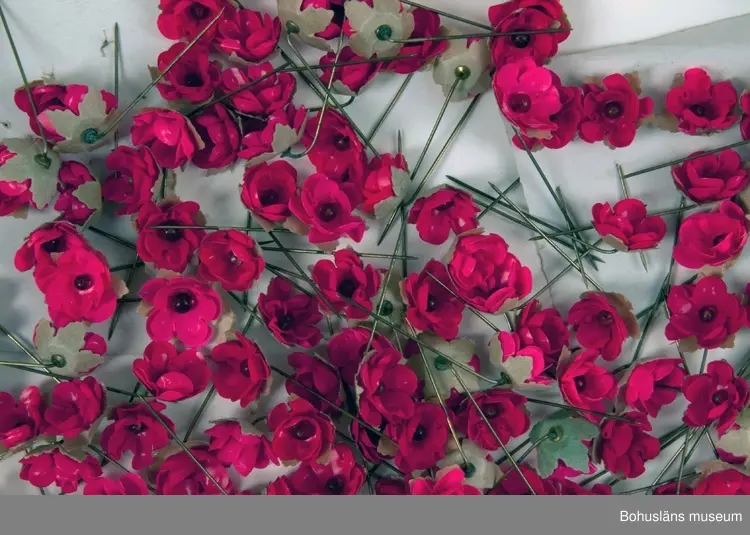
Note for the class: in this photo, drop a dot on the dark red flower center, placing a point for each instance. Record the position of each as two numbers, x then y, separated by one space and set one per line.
253 124
303 430
490 411
285 321
432 303
580 382
192 79
268 197
420 433
341 142
339 15
519 102
335 485
327 212
136 429
719 397
347 287
718 239
171 234
182 302
445 206
698 109
83 282
613 109
245 368
53 246
521 40
707 314
605 318
198 11
232 258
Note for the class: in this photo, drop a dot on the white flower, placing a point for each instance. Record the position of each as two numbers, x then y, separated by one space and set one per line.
375 27
307 21
469 60
82 131
461 350
64 348
486 472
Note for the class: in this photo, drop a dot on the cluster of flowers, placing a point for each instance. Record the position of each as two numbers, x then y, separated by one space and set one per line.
406 402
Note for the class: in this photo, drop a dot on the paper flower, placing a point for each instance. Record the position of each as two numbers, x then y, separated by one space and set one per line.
73 407
711 177
469 61
337 475
22 170
231 258
421 439
432 304
426 24
246 35
318 376
180 19
291 316
374 23
441 211
626 226
716 397
625 447
134 428
347 277
483 473
697 106
49 465
543 328
300 432
21 419
264 138
132 182
448 482
192 79
273 93
70 349
735 441
266 190
169 135
80 193
46 243
179 475
220 134
345 350
169 374
348 79
584 384
313 21
506 412
603 321
241 445
652 384
522 364
127 485
564 442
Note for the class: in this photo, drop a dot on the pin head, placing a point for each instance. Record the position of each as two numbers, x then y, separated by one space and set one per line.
442 364
386 309
383 32
58 361
43 160
462 72
90 136
469 469
291 27
555 434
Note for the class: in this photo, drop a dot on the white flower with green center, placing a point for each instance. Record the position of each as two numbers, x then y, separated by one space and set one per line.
376 28
470 62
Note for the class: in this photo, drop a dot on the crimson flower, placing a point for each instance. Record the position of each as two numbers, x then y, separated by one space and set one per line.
346 350
292 317
542 328
627 226
729 482
449 481
348 277
584 384
651 384
317 376
565 121
242 372
426 24
169 135
221 138
300 431
20 420
603 321
386 387
134 428
717 396
348 79
708 178
171 248
515 485
506 412
337 144
127 485
71 176
180 475
73 407
247 35
46 243
700 106
185 19
421 438
442 211
338 474
169 374
242 447
625 447
58 466
192 79
266 190
430 306
272 93
134 173
231 258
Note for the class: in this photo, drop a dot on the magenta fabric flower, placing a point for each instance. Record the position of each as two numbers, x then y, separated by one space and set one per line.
603 321
242 372
300 431
221 138
247 35
506 412
266 190
263 98
169 135
711 177
717 396
627 226
565 121
442 211
182 308
700 106
486 274
651 384
15 197
542 328
703 314
231 258
192 79
134 173
292 317
60 467
430 307
71 176
179 475
625 447
584 384
346 350
348 79
134 428
46 97
347 277
73 407
386 388
523 364
613 110
384 184
242 447
20 420
337 145
338 474
46 243
449 481
421 439
709 240
171 375
171 249
127 485
326 207
528 97
266 136
318 376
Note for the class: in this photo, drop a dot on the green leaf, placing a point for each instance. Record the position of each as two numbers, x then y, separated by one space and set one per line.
559 438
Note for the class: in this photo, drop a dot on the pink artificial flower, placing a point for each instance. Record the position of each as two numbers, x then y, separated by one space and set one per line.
348 277
71 176
78 286
700 106
244 449
486 274
181 19
318 376
260 135
708 178
46 97
729 482
127 485
712 239
528 97
515 485
247 35
192 79
651 384
348 79
603 321
337 144
173 248
134 173
384 183
134 428
505 410
326 207
426 24
169 135
46 243
717 396
367 442
584 384
179 475
625 447
346 350
565 121
242 372
613 111
15 197
220 134
386 386
57 466
442 211
266 190
542 328
231 258
703 314
627 226
449 481
271 94
292 317
182 308
507 347
20 421
300 431
279 487
338 474
391 487
430 306
421 439
73 407
170 375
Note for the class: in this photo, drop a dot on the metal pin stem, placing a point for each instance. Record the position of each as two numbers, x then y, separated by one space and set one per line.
497 199
484 35
26 351
116 137
448 15
389 108
465 302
